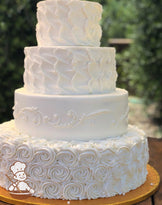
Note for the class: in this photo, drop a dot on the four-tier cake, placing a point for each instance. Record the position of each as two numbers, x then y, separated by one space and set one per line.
70 131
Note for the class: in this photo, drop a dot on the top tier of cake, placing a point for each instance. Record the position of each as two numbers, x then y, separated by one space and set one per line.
68 23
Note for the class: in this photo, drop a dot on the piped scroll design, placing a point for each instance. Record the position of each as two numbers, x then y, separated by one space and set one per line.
123 118
27 114
68 120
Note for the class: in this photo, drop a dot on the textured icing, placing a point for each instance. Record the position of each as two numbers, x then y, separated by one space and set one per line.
75 169
70 70
70 117
64 23
71 128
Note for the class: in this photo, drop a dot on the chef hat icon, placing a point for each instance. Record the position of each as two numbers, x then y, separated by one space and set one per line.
18 167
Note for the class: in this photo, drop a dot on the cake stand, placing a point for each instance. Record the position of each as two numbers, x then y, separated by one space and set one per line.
143 192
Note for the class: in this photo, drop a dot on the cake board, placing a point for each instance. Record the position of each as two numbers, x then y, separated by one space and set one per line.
143 192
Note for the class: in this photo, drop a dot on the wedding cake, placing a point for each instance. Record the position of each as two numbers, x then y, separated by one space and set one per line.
70 133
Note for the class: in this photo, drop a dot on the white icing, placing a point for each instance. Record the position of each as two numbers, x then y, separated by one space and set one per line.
109 157
73 145
24 152
82 174
88 158
80 169
101 173
45 155
70 70
67 158
51 190
73 191
65 23
94 190
7 150
36 171
81 117
58 173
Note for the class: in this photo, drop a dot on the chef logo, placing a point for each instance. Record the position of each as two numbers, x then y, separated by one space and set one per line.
19 185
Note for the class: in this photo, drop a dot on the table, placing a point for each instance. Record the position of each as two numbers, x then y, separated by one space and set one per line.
143 192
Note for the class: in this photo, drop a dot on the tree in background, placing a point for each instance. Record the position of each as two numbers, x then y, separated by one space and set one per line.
118 20
146 53
140 66
17 30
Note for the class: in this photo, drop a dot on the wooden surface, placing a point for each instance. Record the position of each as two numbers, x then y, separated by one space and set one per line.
132 197
155 151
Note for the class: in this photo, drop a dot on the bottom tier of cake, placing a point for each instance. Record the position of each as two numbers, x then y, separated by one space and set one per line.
72 170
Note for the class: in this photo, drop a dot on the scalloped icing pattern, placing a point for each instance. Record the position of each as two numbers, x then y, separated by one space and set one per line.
70 70
64 23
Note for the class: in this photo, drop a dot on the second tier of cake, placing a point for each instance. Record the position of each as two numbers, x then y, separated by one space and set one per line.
65 70
75 117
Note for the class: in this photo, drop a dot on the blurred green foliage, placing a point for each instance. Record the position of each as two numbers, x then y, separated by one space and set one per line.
139 67
144 68
17 30
118 19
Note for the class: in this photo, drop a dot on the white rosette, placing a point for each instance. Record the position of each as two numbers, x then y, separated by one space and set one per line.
101 173
51 190
109 158
118 171
124 155
7 150
24 153
58 173
66 158
88 158
73 191
44 156
94 190
81 174
36 172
